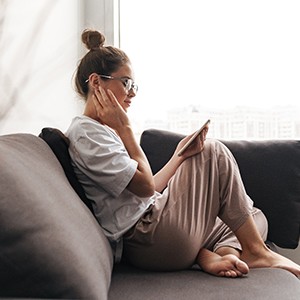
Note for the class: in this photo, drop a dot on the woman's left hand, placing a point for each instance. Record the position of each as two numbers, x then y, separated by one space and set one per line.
196 147
163 176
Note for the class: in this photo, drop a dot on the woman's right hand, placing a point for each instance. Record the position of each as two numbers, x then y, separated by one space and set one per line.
108 110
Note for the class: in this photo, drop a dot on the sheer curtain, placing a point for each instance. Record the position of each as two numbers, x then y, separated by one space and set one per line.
39 53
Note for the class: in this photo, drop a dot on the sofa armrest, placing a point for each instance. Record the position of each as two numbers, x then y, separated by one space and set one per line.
51 246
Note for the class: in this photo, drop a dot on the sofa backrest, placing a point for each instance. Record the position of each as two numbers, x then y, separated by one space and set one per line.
50 244
270 171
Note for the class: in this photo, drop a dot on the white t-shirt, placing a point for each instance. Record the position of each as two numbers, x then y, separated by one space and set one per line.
104 169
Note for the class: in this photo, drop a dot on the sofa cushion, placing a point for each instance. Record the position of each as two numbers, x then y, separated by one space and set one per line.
270 171
59 144
135 284
50 244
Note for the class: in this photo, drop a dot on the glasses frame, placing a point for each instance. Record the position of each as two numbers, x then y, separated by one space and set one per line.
128 83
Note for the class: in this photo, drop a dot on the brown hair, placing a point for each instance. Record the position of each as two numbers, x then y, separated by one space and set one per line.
100 59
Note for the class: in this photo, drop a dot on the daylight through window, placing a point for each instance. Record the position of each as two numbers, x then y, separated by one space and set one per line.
236 62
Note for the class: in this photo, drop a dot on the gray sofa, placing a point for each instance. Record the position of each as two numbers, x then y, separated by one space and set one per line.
52 247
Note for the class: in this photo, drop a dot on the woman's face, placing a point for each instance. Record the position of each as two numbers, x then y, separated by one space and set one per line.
121 83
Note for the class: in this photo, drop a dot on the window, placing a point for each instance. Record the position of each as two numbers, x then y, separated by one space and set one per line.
236 62
233 61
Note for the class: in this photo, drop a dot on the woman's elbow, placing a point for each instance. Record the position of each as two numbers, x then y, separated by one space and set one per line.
146 190
143 190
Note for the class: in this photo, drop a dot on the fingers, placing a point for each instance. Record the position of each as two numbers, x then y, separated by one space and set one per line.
112 97
100 100
106 98
203 134
96 103
107 108
101 96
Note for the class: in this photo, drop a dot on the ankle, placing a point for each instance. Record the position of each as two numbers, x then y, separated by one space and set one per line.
256 250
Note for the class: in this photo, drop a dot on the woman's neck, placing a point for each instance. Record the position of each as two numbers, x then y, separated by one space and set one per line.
89 109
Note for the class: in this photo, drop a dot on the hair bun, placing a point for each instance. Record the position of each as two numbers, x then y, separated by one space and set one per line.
92 39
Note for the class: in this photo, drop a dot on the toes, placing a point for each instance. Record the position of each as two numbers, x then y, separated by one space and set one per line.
241 267
231 274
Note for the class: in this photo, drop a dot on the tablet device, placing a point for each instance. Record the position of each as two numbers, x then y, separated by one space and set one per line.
190 141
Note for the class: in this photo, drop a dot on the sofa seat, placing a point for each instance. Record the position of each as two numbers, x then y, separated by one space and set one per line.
265 284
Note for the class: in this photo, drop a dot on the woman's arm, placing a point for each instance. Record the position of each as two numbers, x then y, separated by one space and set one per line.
142 183
110 112
162 177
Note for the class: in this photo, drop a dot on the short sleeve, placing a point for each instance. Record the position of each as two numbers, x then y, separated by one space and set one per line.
100 154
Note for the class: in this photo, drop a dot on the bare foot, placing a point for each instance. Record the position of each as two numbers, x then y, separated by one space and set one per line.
268 258
224 266
224 250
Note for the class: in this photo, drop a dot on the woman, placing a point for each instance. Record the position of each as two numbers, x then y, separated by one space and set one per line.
194 211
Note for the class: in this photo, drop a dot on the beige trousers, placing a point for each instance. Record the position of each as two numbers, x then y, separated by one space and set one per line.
204 203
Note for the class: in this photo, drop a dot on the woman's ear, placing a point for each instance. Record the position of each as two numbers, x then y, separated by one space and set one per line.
94 80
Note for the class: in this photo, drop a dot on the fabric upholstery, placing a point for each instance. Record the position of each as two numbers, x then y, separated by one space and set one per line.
50 244
270 171
264 284
52 247
59 144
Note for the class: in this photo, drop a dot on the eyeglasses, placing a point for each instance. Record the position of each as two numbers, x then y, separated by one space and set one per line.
128 83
